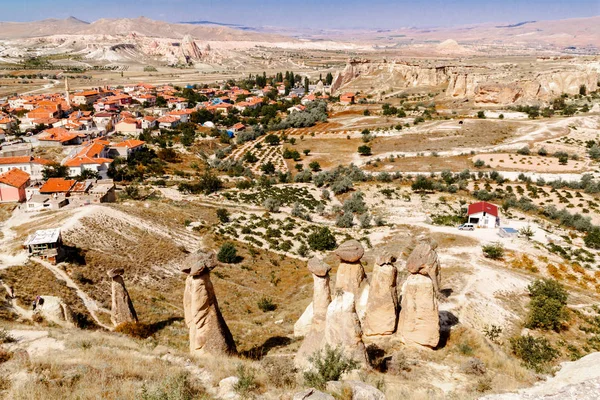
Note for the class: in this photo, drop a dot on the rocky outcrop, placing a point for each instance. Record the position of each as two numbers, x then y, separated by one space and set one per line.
498 89
359 390
54 309
381 311
342 328
419 320
189 49
484 85
208 331
122 308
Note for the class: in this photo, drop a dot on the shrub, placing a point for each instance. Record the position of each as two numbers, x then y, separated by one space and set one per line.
328 366
322 240
174 387
6 337
592 239
247 381
227 253
479 163
341 185
542 152
280 371
534 352
492 332
315 166
494 251
547 307
344 220
524 151
473 366
265 304
364 150
355 204
273 140
480 114
271 204
365 220
134 329
527 232
223 215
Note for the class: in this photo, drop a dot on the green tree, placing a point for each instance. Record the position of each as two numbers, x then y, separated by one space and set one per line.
227 253
547 306
272 139
480 114
55 170
364 150
223 215
322 240
268 168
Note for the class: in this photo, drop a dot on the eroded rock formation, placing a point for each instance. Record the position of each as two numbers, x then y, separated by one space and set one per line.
209 334
343 330
424 261
122 308
382 305
419 319
54 309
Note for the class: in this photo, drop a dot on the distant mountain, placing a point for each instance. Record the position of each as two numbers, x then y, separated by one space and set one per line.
210 23
126 26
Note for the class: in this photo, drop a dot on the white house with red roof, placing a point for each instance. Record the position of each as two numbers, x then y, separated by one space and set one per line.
126 148
93 156
484 215
32 165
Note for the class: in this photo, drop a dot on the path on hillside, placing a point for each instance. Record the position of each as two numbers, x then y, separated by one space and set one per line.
89 303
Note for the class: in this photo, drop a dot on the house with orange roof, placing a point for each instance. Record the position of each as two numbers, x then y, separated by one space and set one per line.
93 156
12 186
53 137
33 166
168 121
7 123
126 148
57 185
86 97
149 122
128 126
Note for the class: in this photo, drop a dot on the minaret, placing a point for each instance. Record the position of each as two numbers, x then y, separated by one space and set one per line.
67 98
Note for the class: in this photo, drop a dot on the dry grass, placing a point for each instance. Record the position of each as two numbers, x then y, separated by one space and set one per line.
422 164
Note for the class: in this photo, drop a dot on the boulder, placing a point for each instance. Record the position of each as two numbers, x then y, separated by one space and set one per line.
227 389
317 267
54 309
359 390
419 319
208 332
312 394
342 328
350 251
122 308
382 305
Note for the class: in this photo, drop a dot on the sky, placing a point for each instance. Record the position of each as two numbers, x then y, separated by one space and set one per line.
382 14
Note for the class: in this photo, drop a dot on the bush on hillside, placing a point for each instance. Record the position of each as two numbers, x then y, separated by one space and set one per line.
322 240
328 365
227 253
535 353
547 308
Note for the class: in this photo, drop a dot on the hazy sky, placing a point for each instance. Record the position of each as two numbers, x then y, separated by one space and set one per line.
307 13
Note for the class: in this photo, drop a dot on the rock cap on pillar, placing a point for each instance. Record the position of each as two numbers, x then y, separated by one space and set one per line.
350 251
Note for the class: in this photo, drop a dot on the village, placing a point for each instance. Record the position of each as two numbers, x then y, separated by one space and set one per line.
382 219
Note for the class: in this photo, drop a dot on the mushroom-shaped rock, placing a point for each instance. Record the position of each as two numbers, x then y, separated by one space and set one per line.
350 251
381 312
350 273
208 331
424 261
419 319
122 308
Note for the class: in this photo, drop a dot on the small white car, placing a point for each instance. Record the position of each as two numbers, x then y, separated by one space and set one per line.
466 227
